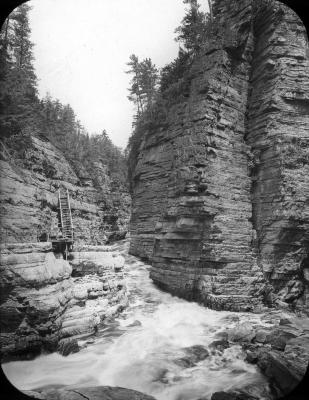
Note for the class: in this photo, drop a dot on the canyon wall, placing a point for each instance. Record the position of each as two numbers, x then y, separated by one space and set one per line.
29 197
221 186
46 302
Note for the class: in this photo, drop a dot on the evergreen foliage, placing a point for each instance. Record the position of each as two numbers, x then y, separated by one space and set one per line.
144 83
18 98
191 32
59 124
23 114
172 86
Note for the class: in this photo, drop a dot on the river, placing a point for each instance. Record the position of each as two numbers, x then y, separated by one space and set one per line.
146 348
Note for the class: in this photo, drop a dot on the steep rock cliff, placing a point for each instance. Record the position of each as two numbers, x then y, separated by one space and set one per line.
47 302
29 197
221 187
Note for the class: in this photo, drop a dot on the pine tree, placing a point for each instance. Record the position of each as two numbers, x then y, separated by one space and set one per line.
135 89
149 81
18 84
210 9
191 31
143 84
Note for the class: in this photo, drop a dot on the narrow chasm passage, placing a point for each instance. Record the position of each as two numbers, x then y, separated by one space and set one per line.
160 345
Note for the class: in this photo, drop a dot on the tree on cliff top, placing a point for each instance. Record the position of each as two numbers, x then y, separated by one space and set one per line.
143 83
191 34
191 31
174 82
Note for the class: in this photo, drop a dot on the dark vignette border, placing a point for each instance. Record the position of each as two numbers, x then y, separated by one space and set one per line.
301 392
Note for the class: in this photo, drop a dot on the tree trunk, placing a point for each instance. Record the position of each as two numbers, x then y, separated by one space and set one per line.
210 9
6 33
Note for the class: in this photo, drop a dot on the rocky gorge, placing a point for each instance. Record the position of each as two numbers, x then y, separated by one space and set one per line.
169 348
220 217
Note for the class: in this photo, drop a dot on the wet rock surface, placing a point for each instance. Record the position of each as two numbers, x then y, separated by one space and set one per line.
94 393
193 355
231 396
44 307
169 348
220 188
281 350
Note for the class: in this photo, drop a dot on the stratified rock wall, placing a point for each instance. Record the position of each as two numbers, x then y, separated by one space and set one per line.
278 134
215 197
29 198
48 303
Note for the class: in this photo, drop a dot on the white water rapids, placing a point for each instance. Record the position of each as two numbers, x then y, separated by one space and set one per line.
141 349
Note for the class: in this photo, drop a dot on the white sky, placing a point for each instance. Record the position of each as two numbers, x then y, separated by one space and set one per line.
82 47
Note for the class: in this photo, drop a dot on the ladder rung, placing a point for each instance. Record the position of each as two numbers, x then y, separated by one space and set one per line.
65 223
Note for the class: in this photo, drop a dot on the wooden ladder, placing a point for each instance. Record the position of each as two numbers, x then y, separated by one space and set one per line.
66 223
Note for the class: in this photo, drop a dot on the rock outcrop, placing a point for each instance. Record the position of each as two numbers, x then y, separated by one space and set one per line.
281 352
48 303
221 186
278 344
29 198
90 393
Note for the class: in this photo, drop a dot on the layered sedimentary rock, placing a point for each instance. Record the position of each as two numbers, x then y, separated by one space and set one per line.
90 393
29 198
221 187
278 136
46 304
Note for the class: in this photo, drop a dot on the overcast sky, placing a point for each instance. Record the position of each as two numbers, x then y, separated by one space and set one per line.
82 47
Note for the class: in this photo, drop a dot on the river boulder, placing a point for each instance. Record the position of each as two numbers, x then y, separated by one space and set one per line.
243 332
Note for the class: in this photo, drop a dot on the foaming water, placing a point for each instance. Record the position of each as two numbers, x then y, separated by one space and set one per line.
144 349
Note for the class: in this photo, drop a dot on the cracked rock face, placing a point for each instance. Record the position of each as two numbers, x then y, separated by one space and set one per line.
50 303
220 191
29 198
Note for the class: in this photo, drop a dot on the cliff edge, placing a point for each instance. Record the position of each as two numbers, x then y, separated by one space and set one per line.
221 186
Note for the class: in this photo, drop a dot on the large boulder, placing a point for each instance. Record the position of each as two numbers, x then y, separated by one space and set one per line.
193 355
278 338
278 369
243 332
